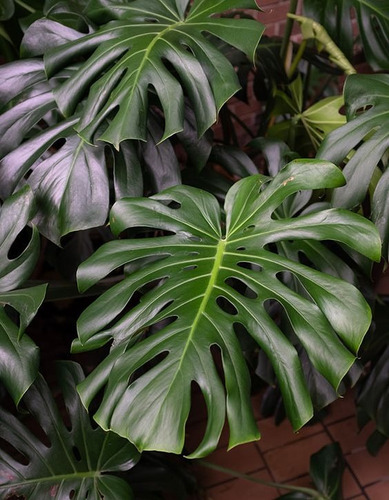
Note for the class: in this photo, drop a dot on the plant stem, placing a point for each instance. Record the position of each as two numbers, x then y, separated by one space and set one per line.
234 473
25 6
288 30
297 58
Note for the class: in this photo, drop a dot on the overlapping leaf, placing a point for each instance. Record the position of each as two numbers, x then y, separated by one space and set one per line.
373 24
19 358
200 282
160 47
76 462
363 142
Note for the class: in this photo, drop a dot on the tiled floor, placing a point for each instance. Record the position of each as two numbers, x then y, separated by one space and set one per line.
283 456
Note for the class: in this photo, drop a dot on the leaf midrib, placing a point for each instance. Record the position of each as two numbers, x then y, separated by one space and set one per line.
57 478
220 250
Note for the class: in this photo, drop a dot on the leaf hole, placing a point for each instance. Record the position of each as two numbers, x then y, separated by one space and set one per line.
15 454
363 109
194 238
20 243
149 365
72 494
35 428
174 205
226 306
241 287
241 249
193 254
163 323
216 353
251 266
76 453
249 228
189 268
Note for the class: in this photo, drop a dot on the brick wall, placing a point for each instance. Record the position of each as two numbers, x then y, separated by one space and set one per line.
273 16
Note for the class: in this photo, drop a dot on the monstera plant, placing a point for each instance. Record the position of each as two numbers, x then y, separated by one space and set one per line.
170 250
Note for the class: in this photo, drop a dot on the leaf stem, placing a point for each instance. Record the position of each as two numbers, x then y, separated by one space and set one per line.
288 31
25 6
234 473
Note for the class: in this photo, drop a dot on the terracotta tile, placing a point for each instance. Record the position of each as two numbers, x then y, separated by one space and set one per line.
292 460
369 469
378 491
359 497
245 458
350 486
304 481
240 488
347 434
274 436
340 409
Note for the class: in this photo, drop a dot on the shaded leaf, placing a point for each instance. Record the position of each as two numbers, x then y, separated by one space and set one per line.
70 185
196 285
79 459
15 213
374 395
326 469
373 23
19 356
7 9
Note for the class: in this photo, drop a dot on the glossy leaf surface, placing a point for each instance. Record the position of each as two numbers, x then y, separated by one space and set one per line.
78 459
373 23
160 47
200 282
366 136
19 356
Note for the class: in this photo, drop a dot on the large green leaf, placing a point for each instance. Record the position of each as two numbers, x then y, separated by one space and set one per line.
373 23
79 459
159 47
363 142
199 283
19 356
15 213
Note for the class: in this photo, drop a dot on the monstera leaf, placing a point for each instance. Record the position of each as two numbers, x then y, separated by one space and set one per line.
373 24
19 358
186 293
160 47
366 136
76 462
312 123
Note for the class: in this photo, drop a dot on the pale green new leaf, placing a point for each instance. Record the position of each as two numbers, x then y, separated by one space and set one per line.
322 118
159 49
79 460
196 285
